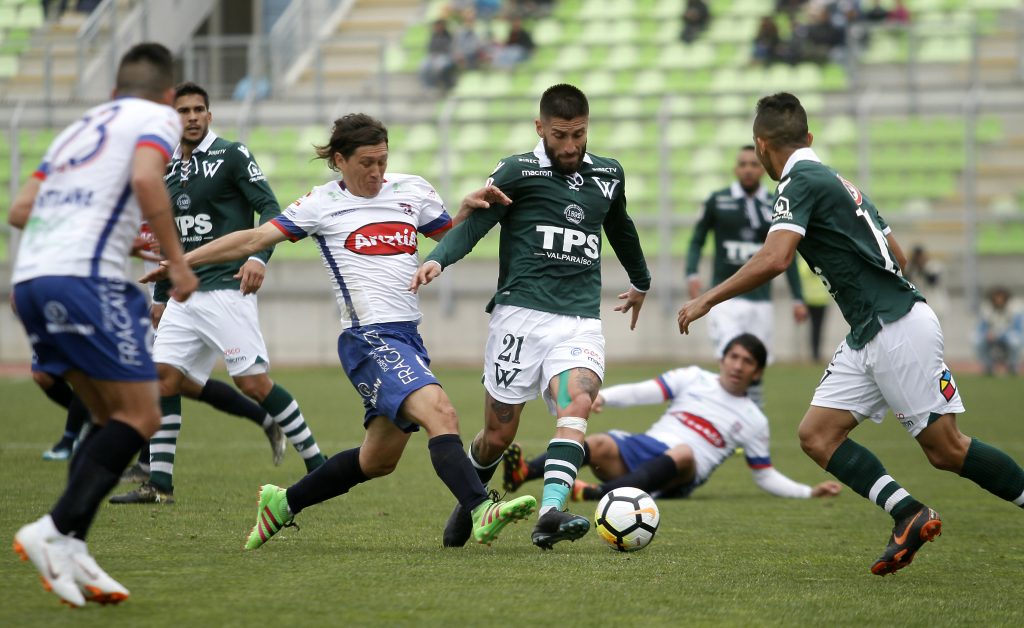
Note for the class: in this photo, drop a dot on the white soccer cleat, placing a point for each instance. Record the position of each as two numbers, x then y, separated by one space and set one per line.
50 552
96 585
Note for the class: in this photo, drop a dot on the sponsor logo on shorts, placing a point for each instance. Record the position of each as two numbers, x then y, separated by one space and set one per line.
389 359
57 321
370 393
383 238
947 387
702 426
591 355
117 319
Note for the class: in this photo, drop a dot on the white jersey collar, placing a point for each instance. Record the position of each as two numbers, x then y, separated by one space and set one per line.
542 156
736 191
204 146
800 154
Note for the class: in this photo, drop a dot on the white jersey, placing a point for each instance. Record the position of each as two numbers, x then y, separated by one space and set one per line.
702 415
85 217
369 245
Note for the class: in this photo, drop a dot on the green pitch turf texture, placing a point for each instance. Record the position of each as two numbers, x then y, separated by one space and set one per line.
730 555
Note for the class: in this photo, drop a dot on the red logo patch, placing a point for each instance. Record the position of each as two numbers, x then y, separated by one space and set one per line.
702 426
383 238
852 189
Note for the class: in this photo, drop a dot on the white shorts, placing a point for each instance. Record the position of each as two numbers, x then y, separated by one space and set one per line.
527 348
740 316
899 369
224 323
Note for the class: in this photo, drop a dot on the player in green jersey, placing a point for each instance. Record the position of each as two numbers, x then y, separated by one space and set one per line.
545 330
740 216
892 357
215 186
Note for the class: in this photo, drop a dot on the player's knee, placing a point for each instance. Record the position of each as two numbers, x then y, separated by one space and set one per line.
682 455
147 422
170 380
812 441
42 380
255 387
949 457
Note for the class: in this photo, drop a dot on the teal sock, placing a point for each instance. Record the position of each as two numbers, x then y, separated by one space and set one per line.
563 463
280 404
994 471
164 444
858 468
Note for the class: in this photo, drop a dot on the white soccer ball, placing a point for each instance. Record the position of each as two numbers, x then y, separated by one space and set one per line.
627 519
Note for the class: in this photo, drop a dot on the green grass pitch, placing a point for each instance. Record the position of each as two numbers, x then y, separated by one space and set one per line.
730 555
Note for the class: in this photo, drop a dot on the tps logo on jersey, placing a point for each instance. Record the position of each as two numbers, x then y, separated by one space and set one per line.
947 387
852 189
382 238
192 228
702 426
574 214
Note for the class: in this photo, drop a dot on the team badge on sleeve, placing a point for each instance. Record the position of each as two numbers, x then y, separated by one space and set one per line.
947 388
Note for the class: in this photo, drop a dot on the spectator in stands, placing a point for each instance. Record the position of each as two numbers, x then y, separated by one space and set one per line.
768 45
696 17
1000 331
517 48
438 69
822 37
528 8
876 14
469 50
899 13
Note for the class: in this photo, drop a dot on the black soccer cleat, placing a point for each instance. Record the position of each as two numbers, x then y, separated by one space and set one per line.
146 494
459 527
908 535
557 526
135 474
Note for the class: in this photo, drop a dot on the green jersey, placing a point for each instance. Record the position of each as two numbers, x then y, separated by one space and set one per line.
740 223
213 194
844 243
549 255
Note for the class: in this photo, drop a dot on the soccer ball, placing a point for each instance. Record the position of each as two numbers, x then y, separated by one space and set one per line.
627 519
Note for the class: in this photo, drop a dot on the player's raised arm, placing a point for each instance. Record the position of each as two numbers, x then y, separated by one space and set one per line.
479 199
773 259
236 245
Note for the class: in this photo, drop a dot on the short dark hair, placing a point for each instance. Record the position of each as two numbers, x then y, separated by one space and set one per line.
188 88
753 344
349 133
563 101
781 121
747 147
146 70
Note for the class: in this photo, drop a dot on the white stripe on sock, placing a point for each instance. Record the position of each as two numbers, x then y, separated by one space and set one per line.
167 434
1020 500
161 467
894 499
879 484
292 407
267 421
162 448
551 474
561 463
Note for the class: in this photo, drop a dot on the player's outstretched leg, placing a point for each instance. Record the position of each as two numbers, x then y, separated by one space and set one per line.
227 399
459 527
50 552
280 404
272 514
908 535
96 585
490 517
556 525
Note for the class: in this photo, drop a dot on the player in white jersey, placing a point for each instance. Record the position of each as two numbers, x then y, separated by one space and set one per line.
365 227
709 416
81 213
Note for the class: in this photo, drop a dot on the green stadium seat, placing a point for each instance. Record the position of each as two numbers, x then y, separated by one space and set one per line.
471 108
8 66
548 32
649 82
668 9
473 136
623 57
680 133
579 57
680 56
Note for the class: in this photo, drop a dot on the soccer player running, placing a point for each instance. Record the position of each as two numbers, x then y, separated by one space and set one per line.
892 357
739 216
545 329
215 185
709 416
81 212
365 227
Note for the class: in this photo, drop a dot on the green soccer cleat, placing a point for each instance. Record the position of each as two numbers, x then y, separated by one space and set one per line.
490 517
271 515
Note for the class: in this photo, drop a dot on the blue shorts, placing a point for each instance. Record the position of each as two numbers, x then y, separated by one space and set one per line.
386 363
94 325
636 449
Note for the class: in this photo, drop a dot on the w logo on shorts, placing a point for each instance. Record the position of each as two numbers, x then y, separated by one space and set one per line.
505 377
947 388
